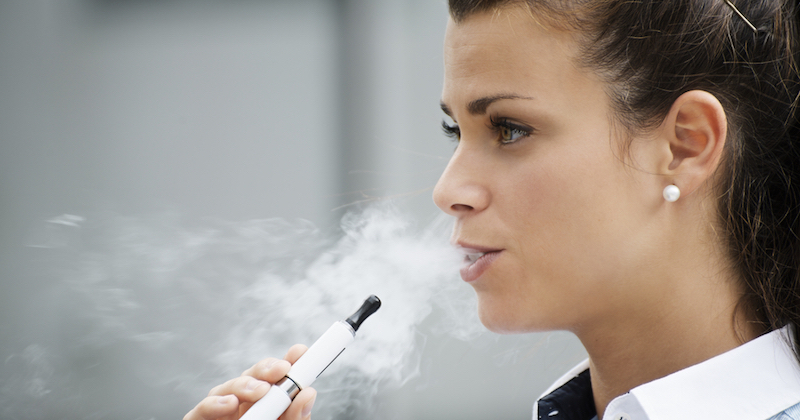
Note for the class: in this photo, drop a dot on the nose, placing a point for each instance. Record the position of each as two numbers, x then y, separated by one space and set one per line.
461 189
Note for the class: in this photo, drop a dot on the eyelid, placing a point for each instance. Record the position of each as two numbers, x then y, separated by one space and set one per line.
505 122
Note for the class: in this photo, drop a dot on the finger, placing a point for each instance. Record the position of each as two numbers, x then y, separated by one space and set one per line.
300 409
245 388
262 364
271 370
295 352
213 407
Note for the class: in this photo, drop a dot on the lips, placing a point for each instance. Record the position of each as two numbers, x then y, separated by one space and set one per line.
476 260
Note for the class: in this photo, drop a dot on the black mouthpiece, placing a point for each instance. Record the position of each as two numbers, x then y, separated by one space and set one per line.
368 308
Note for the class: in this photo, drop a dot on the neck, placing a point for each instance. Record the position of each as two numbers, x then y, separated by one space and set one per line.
697 321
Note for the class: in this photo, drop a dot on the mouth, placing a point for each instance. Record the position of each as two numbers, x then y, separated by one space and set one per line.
473 256
476 260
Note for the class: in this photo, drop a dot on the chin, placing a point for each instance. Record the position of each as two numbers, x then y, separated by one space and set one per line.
501 318
505 313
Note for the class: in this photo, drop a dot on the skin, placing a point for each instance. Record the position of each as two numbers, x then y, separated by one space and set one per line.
230 400
588 243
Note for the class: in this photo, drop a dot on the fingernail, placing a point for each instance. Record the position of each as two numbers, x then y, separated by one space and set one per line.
307 409
225 399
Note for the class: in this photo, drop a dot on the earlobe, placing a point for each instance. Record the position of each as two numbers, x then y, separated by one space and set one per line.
696 130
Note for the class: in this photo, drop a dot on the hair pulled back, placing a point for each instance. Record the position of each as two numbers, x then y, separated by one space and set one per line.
652 51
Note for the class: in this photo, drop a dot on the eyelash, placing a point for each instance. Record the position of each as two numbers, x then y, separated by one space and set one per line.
498 125
454 131
451 131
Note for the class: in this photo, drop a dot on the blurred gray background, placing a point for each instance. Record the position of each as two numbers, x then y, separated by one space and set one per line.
232 110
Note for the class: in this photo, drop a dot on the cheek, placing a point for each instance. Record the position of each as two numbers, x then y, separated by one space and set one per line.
570 213
566 194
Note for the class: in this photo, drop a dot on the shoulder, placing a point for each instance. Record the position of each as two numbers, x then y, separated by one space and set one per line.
755 381
791 413
570 397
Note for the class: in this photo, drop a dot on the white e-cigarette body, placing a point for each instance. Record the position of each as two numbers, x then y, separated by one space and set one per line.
308 367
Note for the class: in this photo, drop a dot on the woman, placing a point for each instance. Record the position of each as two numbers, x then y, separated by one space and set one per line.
627 171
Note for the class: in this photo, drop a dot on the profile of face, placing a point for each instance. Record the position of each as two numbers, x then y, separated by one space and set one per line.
539 181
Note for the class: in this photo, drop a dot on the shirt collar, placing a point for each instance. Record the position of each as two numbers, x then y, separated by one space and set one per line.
572 390
571 401
756 380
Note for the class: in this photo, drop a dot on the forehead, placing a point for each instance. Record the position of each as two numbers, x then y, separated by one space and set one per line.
509 52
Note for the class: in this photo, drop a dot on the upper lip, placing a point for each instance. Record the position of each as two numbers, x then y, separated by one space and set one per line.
468 248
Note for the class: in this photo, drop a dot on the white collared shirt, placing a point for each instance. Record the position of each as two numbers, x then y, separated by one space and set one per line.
755 381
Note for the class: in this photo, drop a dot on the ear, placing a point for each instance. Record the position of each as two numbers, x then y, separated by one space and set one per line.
695 129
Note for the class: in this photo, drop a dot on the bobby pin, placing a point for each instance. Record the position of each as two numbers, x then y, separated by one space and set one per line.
741 15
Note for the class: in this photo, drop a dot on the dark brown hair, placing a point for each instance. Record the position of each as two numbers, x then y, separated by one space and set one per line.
652 51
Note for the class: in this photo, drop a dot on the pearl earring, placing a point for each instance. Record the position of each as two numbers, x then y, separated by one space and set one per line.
672 193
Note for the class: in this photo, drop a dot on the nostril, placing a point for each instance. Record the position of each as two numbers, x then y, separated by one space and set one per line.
461 207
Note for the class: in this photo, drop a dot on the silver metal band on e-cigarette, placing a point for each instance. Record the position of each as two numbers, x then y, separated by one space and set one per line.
288 386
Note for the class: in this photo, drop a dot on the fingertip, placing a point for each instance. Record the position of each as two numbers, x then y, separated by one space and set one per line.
295 352
274 373
267 364
306 413
226 400
214 407
283 365
301 406
279 370
259 368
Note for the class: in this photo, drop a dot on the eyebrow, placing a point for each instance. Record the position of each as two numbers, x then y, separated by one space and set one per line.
478 106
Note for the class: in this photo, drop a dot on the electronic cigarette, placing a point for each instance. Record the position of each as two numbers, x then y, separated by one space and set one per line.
309 366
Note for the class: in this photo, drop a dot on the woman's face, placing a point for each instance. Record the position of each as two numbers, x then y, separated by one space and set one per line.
538 181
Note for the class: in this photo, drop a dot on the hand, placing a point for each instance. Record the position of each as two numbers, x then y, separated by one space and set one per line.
232 399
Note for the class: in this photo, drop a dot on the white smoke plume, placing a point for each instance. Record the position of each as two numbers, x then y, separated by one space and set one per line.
187 307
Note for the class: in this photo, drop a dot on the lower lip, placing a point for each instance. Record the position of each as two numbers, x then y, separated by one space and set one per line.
473 271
